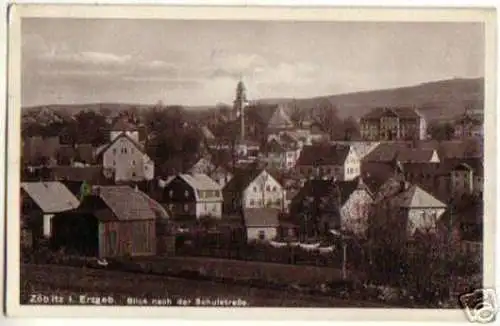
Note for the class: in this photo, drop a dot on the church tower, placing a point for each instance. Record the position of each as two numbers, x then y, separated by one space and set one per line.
239 104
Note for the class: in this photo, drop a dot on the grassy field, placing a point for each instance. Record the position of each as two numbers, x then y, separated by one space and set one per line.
54 279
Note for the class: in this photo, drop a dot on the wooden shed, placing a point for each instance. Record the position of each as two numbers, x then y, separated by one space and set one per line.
116 221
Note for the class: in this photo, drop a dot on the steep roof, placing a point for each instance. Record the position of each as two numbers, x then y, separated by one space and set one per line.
261 217
280 119
385 152
103 149
200 181
126 203
242 179
324 154
51 197
416 197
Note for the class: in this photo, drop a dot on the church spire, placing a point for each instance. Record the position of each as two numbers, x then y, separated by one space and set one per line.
239 106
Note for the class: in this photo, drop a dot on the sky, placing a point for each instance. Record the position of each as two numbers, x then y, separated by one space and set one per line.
76 61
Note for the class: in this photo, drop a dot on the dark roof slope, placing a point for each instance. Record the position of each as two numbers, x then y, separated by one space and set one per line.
126 203
241 180
400 112
323 154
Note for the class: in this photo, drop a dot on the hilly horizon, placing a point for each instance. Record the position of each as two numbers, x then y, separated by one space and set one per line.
436 100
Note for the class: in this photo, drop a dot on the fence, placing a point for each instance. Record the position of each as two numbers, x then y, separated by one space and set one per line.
264 252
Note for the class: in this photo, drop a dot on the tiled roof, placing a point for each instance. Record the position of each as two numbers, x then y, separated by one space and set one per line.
126 203
329 154
103 149
415 155
200 181
241 180
123 125
385 152
261 217
416 197
51 197
401 112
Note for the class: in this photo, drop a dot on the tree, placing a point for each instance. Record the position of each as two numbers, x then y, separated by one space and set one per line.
441 131
326 114
297 115
351 129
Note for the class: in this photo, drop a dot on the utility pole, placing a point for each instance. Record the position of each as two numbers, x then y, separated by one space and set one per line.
449 254
344 259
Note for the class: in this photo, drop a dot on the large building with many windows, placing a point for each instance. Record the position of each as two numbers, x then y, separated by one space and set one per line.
398 123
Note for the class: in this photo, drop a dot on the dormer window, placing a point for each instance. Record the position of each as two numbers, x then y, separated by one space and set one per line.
186 194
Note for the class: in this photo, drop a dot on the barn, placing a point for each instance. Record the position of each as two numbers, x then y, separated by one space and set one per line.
113 221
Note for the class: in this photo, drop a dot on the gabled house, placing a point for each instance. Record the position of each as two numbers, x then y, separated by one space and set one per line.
393 123
253 188
124 126
281 155
403 209
112 221
218 173
329 161
344 205
40 201
126 158
466 177
193 195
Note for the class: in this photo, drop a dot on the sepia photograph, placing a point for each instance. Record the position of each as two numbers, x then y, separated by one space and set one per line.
251 162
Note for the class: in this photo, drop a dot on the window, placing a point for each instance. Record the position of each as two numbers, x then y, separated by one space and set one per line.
114 151
274 188
171 193
186 194
254 189
262 235
125 150
133 162
133 174
114 163
186 208
252 202
268 188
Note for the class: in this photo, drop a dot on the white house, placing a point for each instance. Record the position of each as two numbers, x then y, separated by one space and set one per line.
40 201
254 188
467 178
340 162
193 195
127 159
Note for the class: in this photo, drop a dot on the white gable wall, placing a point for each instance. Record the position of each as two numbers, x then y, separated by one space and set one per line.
352 165
128 162
264 191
